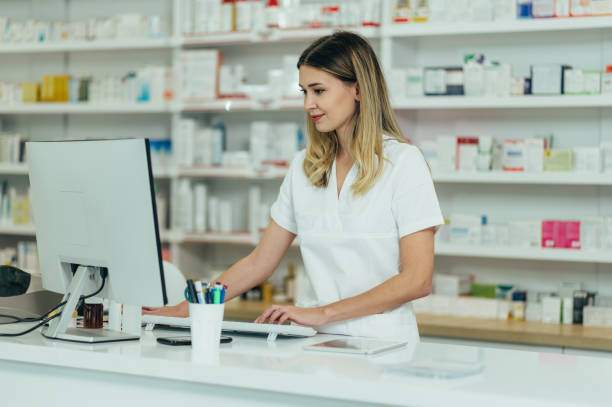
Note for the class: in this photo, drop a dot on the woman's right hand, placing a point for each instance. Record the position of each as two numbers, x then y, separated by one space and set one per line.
180 310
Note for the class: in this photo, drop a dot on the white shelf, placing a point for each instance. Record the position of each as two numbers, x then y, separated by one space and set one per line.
235 238
511 102
22 169
88 46
13 169
273 35
525 253
547 178
421 103
494 27
85 108
234 173
237 105
17 230
493 177
30 230
517 253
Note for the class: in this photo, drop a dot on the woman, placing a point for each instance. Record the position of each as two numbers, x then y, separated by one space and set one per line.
360 198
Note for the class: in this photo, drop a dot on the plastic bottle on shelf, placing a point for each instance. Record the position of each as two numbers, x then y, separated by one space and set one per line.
228 15
402 12
524 8
272 13
258 16
371 13
420 13
243 15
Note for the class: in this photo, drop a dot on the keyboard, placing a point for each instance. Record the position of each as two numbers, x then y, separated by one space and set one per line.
272 330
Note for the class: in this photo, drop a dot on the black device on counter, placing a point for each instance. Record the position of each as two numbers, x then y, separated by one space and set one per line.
185 340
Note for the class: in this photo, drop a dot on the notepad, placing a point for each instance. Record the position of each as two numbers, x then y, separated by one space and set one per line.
363 346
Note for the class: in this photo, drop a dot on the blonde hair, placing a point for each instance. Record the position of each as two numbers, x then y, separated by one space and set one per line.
350 58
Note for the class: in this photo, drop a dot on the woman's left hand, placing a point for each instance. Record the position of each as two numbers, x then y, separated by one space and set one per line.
302 316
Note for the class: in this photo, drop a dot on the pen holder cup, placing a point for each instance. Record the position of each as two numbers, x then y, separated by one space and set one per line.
206 320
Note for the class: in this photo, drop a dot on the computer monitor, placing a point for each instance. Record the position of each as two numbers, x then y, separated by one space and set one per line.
94 209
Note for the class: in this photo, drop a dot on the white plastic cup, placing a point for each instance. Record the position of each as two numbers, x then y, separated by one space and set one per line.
206 320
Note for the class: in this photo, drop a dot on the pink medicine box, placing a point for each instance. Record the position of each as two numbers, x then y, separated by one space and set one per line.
561 234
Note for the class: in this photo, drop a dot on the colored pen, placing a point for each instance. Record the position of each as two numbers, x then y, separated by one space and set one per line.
223 294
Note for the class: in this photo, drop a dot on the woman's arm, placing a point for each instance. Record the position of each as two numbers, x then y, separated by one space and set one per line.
414 281
248 272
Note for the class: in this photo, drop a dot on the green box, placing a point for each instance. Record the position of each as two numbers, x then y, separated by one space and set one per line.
483 290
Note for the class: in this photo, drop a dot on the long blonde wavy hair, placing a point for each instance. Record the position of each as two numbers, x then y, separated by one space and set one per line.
350 58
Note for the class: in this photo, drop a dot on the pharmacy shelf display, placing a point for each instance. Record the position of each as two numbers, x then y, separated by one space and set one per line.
278 173
385 38
492 177
246 105
288 35
516 253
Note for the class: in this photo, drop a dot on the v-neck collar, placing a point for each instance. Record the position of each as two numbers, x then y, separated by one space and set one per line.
347 181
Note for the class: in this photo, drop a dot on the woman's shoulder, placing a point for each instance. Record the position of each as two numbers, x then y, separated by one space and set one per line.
396 151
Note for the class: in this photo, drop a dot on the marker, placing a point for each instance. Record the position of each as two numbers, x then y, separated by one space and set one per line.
216 295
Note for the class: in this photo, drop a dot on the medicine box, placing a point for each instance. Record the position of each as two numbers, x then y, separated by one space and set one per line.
558 160
551 310
451 285
514 155
561 234
543 8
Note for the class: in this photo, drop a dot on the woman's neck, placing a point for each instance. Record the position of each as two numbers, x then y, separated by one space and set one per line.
344 145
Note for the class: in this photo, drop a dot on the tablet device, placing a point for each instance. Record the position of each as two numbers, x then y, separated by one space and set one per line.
362 346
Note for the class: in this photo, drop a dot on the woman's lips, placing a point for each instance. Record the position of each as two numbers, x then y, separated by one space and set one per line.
316 118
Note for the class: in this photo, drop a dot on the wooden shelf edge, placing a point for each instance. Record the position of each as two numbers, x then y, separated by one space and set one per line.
492 330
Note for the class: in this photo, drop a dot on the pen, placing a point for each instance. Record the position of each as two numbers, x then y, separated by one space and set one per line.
198 288
192 291
223 294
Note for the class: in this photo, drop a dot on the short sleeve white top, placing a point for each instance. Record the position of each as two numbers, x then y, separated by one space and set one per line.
349 243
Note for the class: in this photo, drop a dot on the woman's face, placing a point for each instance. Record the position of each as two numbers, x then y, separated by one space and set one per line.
330 102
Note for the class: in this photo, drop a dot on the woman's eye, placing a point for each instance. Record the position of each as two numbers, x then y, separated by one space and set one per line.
319 91
303 91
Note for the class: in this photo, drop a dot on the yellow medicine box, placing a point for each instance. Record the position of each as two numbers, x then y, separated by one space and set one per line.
55 88
558 160
31 92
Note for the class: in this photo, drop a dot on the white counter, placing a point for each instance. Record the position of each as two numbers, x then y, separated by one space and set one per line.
35 370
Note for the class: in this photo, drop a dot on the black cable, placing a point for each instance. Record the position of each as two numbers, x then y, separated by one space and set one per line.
34 327
103 274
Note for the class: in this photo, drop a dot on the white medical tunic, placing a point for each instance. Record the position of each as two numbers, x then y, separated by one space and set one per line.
350 244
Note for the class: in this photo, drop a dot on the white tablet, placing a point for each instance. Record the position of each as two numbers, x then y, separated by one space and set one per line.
363 346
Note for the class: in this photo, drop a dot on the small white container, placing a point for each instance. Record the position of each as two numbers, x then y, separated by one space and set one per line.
206 321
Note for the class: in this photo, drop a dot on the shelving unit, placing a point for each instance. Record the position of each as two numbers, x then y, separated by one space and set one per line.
576 120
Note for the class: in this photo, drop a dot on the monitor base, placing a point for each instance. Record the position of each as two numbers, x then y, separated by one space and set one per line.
88 335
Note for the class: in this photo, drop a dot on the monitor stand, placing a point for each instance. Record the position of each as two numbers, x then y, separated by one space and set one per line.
58 327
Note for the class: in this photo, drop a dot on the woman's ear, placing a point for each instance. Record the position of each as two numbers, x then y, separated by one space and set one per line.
356 93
